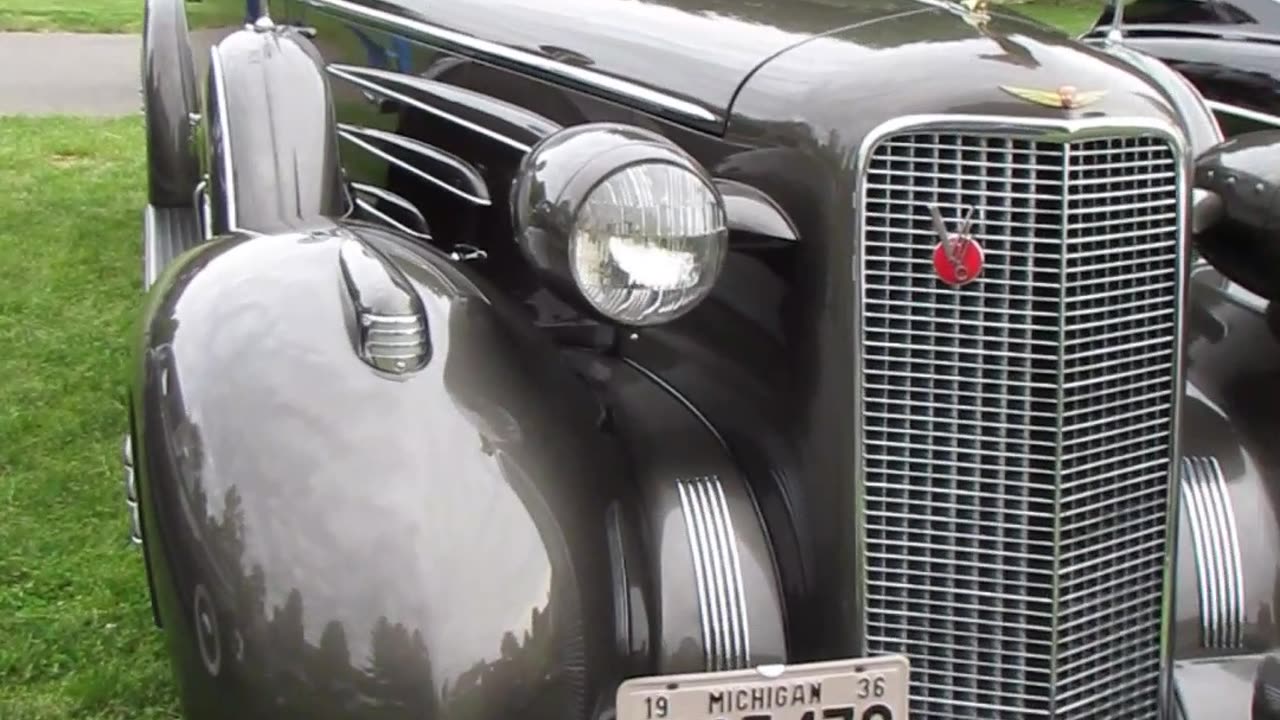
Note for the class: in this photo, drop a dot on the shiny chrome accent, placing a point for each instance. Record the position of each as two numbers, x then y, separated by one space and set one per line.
389 197
1206 209
462 252
131 490
401 87
200 199
224 136
520 60
1244 112
1019 443
1216 544
390 330
167 232
751 210
1115 33
726 635
473 188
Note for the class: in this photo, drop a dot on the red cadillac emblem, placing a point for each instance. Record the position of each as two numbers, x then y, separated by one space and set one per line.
957 258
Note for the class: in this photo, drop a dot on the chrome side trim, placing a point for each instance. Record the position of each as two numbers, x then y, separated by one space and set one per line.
394 199
726 636
522 60
224 139
1216 544
1246 113
131 491
399 86
200 197
474 189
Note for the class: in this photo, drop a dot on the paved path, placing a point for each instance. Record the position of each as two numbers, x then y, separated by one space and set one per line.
79 73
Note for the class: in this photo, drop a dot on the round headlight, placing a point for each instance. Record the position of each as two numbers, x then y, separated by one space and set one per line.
648 243
623 220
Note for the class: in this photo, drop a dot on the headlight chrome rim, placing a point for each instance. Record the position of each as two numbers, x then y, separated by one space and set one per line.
558 181
705 263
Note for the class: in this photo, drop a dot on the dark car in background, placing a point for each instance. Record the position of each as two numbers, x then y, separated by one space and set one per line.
1230 50
683 359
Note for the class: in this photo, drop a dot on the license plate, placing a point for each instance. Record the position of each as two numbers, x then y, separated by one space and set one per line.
867 689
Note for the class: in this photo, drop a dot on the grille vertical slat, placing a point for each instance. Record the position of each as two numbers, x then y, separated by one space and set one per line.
1016 440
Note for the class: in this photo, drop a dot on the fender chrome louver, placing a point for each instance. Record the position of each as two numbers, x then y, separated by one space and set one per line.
388 322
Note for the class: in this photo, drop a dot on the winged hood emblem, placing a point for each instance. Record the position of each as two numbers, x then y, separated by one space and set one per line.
1067 97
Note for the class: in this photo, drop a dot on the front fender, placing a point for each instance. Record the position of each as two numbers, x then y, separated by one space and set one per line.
328 536
273 157
1228 571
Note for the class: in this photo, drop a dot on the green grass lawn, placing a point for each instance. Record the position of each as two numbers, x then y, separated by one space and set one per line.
107 15
76 638
1073 16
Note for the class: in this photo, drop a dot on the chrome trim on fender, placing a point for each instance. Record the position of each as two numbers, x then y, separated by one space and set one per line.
474 191
131 491
1216 544
224 139
388 84
522 60
394 199
726 636
1246 113
390 324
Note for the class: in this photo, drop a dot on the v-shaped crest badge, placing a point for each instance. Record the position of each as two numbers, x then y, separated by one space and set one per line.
958 257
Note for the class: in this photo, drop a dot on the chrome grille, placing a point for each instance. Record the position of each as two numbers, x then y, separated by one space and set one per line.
1017 435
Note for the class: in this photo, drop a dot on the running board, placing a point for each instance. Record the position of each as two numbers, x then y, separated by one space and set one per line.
167 232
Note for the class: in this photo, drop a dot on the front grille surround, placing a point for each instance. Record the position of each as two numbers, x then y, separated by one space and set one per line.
1061 687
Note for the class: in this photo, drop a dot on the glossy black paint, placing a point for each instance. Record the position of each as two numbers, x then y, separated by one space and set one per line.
686 64
169 98
1232 414
1245 173
761 371
1203 129
1229 49
431 544
765 359
666 441
481 537
273 148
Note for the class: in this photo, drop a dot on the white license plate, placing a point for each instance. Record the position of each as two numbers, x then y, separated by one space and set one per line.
865 689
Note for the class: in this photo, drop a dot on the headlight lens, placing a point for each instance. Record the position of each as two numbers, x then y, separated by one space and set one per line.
648 242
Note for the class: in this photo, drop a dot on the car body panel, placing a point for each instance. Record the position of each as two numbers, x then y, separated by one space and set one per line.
1230 415
683 60
309 538
273 160
509 526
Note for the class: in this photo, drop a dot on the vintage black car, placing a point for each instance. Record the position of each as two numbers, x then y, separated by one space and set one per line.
1230 50
683 359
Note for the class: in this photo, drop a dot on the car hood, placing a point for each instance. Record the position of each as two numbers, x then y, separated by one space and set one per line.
938 62
696 51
